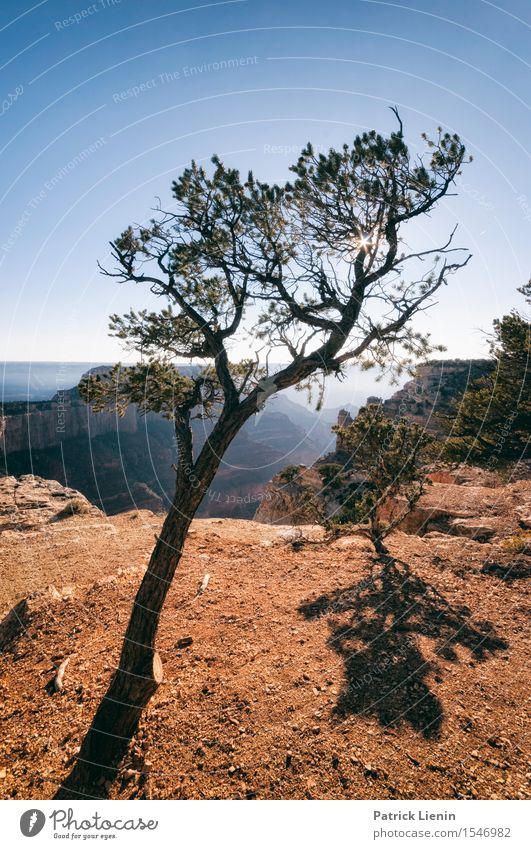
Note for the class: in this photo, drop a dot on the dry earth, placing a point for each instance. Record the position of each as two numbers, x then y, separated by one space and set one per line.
312 672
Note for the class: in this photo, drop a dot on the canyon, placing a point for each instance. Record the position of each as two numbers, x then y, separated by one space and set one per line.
122 463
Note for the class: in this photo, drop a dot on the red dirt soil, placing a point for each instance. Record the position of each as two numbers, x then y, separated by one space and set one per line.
313 673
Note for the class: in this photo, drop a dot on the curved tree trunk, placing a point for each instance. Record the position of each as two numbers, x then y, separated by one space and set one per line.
139 672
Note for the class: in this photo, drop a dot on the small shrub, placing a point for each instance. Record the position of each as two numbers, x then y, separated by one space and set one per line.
80 506
289 474
520 543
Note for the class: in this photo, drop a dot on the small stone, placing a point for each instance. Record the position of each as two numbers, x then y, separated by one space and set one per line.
184 642
130 773
370 771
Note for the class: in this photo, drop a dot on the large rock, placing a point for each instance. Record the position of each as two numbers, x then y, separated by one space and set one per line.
480 529
465 475
290 501
31 502
524 516
476 512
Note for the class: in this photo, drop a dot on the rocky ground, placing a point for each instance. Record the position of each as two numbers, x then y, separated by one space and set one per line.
310 671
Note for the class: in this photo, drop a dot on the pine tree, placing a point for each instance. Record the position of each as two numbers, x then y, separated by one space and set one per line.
389 452
313 269
492 420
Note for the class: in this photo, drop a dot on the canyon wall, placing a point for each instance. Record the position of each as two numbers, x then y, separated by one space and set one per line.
433 389
428 395
126 463
46 424
122 463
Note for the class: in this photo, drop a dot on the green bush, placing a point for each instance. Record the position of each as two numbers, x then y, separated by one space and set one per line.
289 474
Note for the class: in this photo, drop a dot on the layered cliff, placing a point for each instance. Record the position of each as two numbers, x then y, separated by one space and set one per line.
433 390
430 394
31 502
49 423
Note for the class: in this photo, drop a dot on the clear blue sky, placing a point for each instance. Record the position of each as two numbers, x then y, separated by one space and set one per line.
84 152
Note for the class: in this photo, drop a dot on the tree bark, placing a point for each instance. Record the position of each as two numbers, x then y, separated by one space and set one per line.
376 534
139 671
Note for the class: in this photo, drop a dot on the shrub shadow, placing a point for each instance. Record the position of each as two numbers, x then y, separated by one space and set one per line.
376 626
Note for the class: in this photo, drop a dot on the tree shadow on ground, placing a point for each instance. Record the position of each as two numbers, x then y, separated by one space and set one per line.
508 569
376 626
